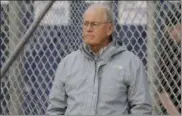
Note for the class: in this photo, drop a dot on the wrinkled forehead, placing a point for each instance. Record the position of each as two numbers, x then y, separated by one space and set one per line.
95 12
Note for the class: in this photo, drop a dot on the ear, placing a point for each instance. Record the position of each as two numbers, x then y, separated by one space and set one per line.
110 29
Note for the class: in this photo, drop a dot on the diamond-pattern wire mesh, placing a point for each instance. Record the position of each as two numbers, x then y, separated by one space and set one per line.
168 52
142 26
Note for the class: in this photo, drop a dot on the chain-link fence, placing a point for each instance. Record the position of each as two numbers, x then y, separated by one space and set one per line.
150 29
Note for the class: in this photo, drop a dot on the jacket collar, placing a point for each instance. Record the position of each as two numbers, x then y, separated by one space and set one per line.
112 49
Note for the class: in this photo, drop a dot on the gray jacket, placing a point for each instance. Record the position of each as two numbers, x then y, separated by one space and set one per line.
113 84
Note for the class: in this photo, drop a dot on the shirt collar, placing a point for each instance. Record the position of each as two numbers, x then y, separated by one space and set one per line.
96 56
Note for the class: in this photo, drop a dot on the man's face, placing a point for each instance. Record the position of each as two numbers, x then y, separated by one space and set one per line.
175 33
95 27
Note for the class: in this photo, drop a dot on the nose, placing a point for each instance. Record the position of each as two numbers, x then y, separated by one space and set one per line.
89 27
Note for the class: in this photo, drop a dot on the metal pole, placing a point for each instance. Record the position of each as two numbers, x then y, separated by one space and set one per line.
25 38
14 92
150 46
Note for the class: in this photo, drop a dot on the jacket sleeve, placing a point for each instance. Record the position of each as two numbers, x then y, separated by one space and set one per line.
57 98
139 97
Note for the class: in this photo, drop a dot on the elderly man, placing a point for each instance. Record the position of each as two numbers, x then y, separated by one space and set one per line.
102 77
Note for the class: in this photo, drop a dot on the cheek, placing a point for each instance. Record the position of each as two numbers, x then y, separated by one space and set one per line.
101 33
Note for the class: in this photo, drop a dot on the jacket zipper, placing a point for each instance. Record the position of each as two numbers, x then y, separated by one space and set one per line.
94 95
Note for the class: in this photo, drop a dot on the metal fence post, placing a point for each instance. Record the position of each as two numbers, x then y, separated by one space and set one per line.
25 38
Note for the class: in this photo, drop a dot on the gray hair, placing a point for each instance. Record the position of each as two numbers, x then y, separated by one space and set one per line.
107 9
109 15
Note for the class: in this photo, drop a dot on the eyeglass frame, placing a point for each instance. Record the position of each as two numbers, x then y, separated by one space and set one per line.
93 25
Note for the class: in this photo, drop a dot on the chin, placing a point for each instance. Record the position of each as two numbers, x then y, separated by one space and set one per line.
90 42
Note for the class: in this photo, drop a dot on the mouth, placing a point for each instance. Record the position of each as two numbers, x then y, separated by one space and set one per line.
89 37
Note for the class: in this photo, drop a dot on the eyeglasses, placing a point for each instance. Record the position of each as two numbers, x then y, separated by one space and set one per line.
93 24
